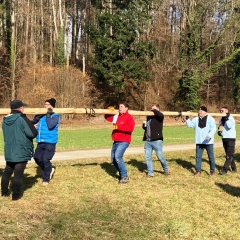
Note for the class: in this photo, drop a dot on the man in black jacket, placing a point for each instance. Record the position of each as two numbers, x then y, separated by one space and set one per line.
154 140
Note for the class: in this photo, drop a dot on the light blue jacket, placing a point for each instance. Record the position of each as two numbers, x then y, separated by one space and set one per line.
202 133
229 130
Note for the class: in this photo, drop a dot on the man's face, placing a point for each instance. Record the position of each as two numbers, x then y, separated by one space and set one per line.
47 105
223 110
122 109
202 113
154 107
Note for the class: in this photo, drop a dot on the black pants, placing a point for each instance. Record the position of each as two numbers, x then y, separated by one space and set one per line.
229 147
43 156
18 169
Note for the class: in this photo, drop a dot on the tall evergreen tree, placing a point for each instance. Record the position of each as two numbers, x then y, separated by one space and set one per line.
121 52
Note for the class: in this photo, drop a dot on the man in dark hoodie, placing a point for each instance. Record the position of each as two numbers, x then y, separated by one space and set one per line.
153 138
18 133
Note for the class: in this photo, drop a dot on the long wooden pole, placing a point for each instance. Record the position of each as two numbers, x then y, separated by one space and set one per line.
92 111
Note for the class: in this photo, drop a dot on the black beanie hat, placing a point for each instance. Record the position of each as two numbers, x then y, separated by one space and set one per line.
52 102
203 108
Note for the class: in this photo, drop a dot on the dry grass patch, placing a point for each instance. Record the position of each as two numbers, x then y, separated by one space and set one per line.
85 201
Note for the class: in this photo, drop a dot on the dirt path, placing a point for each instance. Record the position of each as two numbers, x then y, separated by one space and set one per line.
97 153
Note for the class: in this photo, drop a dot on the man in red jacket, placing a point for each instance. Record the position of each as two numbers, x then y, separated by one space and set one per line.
123 126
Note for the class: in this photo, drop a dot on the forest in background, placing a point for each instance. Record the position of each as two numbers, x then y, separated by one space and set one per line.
92 53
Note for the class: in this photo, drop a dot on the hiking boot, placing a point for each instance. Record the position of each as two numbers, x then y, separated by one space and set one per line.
166 173
197 174
124 180
52 172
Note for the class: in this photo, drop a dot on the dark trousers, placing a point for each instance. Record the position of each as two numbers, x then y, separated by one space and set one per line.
229 147
18 169
43 156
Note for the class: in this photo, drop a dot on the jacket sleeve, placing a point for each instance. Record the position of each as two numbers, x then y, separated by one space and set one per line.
158 114
109 117
191 123
28 127
230 122
52 121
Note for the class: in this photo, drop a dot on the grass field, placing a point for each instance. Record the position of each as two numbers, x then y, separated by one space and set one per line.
84 201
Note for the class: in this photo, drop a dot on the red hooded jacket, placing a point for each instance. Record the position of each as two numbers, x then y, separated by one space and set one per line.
125 126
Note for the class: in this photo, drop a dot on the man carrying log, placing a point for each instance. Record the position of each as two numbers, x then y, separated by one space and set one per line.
123 126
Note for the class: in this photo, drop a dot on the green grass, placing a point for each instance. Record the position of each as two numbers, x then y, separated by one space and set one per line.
101 138
84 201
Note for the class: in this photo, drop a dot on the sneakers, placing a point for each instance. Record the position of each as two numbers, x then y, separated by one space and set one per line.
124 180
149 176
197 174
45 183
52 172
166 173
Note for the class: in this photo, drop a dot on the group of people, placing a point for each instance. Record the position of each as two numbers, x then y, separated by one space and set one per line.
18 133
123 126
205 129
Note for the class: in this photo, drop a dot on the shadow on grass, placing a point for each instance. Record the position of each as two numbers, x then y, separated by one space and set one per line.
85 164
232 190
142 167
109 169
237 157
191 167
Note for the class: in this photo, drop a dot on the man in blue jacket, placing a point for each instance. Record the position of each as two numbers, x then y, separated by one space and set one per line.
18 133
153 138
205 128
47 138
227 130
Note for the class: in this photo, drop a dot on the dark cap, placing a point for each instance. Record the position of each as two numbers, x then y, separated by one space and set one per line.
203 108
15 104
52 102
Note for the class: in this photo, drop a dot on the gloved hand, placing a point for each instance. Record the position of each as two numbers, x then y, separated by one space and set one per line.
207 138
220 133
110 108
49 112
187 117
115 126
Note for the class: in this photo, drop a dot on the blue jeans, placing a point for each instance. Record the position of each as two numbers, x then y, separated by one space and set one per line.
157 147
43 156
118 149
199 152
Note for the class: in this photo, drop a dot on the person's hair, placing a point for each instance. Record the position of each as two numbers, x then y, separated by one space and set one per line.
125 104
225 107
156 104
